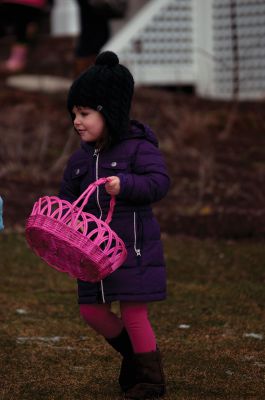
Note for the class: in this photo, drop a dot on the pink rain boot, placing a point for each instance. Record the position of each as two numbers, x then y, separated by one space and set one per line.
17 60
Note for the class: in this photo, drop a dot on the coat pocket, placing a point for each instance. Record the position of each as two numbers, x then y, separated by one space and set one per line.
78 172
114 167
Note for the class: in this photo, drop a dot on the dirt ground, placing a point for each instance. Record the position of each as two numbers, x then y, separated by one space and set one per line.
215 151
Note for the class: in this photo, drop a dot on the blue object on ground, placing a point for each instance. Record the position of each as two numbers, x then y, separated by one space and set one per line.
1 214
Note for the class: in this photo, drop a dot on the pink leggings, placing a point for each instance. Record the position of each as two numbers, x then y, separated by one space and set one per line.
134 318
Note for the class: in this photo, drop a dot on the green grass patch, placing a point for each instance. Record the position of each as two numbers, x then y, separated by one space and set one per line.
211 328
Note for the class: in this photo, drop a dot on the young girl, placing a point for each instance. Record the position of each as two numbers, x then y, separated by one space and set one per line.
112 146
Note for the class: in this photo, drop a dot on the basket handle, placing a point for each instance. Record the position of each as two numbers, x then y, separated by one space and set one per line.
85 197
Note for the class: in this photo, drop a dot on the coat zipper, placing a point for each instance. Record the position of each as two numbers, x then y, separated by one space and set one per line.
137 251
96 154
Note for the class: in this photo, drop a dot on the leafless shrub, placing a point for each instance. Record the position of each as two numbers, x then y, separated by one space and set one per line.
61 160
28 146
215 159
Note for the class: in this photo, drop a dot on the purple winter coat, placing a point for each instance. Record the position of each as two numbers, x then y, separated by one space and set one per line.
144 180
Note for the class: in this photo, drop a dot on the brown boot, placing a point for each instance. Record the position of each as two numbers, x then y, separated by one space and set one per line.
81 64
122 344
17 60
149 377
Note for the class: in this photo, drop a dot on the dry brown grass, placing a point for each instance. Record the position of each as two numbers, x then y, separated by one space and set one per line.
215 288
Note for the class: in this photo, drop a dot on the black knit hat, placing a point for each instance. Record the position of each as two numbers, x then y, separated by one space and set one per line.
106 87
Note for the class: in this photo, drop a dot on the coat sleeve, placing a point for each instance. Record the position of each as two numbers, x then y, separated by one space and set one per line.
69 189
149 180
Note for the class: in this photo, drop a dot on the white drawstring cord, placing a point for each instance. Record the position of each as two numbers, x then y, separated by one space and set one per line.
137 251
96 154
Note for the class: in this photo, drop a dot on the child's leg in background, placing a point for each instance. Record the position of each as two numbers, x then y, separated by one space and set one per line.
135 319
24 20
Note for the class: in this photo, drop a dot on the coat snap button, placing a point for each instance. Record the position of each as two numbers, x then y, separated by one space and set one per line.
113 164
77 171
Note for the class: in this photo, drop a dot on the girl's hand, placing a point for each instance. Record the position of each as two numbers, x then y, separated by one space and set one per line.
113 185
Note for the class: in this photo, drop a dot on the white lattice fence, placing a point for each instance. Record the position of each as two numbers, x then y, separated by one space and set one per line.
239 36
216 45
157 44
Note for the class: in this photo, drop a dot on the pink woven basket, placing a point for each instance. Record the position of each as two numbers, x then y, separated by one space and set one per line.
73 241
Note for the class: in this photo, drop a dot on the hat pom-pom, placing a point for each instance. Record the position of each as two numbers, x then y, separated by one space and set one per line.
107 58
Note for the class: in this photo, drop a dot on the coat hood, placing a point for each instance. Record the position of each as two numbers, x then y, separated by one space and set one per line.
139 130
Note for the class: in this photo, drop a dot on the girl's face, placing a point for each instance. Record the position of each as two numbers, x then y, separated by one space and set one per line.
89 124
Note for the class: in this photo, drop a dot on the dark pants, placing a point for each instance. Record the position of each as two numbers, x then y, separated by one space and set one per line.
18 17
94 31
